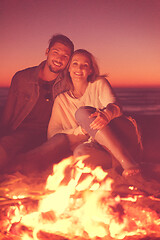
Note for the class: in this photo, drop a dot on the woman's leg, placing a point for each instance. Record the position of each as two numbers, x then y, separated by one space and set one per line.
119 137
95 155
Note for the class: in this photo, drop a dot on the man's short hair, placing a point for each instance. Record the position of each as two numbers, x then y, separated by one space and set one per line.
61 39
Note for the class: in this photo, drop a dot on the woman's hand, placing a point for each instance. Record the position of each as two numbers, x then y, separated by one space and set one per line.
101 120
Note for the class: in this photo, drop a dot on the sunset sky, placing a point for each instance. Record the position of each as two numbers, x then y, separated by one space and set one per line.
123 35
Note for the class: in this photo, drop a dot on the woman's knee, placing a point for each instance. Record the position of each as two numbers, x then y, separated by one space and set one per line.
94 155
84 112
82 117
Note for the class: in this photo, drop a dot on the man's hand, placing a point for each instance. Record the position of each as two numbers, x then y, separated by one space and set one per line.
84 131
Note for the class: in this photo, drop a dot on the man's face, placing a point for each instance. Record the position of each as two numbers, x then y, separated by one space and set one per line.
58 57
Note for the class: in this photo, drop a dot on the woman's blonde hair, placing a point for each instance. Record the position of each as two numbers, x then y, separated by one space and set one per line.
93 65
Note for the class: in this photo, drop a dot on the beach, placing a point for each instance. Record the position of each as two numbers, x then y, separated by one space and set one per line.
143 104
133 201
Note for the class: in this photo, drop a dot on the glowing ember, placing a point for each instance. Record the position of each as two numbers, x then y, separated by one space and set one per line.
78 204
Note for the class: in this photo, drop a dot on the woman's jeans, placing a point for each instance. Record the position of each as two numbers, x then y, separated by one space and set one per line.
120 137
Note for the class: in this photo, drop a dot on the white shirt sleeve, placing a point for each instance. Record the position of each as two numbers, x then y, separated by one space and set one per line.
106 94
60 121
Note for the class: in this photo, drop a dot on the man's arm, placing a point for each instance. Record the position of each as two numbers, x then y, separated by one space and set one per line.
9 106
111 107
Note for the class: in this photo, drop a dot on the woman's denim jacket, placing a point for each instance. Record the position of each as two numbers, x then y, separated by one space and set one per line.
23 95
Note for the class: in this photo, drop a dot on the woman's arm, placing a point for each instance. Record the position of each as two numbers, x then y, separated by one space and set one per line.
74 134
60 121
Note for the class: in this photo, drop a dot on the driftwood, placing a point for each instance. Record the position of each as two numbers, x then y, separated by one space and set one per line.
32 188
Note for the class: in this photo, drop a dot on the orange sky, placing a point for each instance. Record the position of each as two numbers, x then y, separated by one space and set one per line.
123 35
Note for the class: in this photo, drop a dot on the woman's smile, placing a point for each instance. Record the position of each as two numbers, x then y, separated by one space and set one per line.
80 68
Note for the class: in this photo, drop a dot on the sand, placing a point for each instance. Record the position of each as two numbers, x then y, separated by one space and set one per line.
147 186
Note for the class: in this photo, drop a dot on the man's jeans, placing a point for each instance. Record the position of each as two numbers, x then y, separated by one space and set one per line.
26 151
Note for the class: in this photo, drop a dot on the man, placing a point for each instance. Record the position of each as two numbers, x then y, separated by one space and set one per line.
31 96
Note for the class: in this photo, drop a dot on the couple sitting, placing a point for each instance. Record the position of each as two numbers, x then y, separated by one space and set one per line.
86 118
90 116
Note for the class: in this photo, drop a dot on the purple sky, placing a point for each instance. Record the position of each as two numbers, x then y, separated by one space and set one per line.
123 35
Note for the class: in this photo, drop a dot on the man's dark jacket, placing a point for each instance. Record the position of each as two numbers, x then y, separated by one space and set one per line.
23 95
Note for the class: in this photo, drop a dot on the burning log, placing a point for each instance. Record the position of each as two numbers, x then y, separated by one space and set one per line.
77 202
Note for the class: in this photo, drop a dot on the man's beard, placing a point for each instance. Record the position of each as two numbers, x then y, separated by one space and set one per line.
55 70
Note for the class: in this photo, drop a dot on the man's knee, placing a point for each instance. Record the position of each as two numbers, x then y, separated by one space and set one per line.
3 157
59 139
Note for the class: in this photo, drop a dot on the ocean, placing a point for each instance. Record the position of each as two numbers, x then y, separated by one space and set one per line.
144 101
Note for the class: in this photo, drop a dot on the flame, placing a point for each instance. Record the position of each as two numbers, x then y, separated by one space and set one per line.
78 202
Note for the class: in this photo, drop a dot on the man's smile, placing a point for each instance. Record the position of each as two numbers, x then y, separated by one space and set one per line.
57 64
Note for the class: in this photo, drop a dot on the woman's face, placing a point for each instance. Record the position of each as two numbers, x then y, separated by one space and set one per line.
80 68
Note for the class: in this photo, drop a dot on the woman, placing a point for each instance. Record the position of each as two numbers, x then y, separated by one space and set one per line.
90 109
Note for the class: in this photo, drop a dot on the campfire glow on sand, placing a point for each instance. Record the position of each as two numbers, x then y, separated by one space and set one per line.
77 202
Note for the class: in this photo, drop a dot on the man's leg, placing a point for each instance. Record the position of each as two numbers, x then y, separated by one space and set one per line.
45 155
3 157
17 142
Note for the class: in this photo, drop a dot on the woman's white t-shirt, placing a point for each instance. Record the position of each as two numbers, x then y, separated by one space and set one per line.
97 94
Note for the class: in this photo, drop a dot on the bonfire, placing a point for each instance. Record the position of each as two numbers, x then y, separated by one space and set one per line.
77 202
